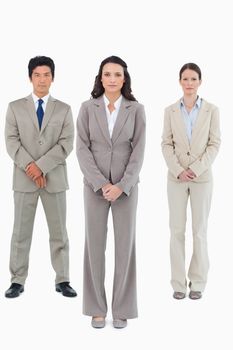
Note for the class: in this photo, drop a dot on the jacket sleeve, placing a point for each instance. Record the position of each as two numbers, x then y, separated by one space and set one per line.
168 147
207 158
86 160
133 168
14 146
60 151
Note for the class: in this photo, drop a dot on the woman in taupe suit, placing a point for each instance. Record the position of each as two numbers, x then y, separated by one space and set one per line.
110 148
191 140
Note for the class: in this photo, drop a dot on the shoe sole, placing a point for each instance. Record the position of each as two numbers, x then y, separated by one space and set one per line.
97 327
195 298
16 296
179 298
119 327
68 296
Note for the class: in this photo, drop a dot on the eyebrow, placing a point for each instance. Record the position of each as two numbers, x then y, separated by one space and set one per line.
111 72
42 73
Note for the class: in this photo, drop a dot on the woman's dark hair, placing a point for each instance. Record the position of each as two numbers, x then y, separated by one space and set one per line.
126 91
40 61
192 66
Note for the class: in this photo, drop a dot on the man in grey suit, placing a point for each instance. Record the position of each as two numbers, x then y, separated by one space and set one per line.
39 136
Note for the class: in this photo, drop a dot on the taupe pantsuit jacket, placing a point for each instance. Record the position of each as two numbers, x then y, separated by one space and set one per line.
117 160
48 148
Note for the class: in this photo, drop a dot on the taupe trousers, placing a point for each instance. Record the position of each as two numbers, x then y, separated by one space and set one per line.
200 200
124 298
54 205
117 160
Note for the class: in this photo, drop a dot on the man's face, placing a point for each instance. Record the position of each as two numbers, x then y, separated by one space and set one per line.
41 80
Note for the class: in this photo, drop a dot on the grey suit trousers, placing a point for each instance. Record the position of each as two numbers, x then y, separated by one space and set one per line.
124 298
200 200
54 205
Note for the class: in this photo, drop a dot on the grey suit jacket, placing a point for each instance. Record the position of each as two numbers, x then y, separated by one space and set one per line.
48 147
199 154
118 159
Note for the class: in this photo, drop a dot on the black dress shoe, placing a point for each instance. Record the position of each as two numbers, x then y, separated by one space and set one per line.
66 289
14 291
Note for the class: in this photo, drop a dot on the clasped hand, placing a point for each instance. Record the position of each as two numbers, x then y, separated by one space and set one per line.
34 172
187 175
111 192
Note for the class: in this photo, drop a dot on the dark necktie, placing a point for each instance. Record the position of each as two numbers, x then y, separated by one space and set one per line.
40 112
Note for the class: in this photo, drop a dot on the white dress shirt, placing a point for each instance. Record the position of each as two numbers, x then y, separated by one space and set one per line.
112 117
44 98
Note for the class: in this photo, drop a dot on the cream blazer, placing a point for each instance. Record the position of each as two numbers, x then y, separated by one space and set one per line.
198 154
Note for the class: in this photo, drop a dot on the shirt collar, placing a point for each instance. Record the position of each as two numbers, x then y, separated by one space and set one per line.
117 103
36 98
197 104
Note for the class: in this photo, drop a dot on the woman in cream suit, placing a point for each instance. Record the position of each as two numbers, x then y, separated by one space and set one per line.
191 140
110 148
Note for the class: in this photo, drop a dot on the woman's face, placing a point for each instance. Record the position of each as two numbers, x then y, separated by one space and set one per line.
190 82
112 78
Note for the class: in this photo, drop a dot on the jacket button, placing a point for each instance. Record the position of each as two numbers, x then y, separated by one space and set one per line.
188 154
40 143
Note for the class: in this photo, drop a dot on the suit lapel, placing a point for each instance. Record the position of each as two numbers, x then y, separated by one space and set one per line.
30 106
32 112
199 121
179 122
48 112
121 118
101 117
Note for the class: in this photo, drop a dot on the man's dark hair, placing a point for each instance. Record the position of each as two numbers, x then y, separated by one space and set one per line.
40 61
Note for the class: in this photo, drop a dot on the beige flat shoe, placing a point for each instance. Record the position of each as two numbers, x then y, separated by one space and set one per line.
97 323
119 323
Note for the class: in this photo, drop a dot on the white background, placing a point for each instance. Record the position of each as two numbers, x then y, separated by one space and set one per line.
155 38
